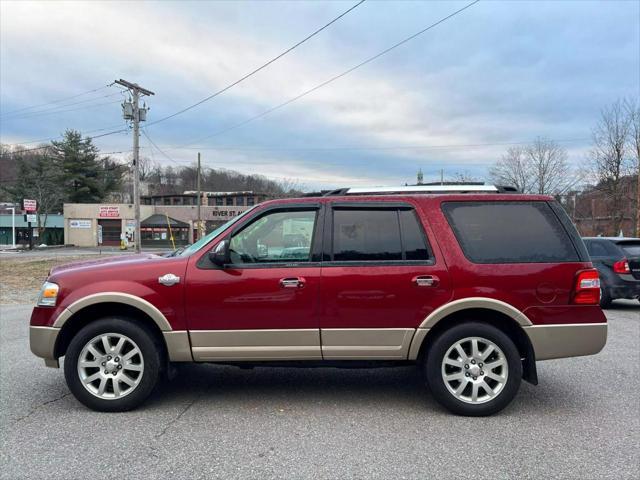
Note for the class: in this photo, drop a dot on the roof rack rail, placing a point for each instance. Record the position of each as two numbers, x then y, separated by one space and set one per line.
408 189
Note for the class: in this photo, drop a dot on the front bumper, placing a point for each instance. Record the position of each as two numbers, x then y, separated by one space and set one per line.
42 341
569 340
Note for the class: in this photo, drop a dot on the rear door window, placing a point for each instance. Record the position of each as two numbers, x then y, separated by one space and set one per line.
509 232
365 235
378 235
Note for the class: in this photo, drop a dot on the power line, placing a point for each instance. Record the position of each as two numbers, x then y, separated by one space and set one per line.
365 147
42 147
59 100
262 67
333 79
37 114
48 139
144 132
46 110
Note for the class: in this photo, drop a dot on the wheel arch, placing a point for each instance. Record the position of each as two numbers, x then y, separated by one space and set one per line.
493 312
92 312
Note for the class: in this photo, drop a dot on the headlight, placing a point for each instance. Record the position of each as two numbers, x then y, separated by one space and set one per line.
48 295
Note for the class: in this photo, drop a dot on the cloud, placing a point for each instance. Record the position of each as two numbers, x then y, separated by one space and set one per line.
499 72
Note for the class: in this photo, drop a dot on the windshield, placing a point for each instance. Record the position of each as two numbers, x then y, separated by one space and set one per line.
191 249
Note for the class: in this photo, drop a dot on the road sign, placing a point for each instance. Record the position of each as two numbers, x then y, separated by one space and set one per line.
29 205
31 218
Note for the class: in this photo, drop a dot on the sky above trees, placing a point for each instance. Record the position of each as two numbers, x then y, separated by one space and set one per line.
498 73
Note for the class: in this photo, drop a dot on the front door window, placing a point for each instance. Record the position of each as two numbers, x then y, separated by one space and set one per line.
278 237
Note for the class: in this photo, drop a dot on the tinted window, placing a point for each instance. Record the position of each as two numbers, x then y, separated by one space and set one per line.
596 249
509 232
365 235
632 249
413 239
277 237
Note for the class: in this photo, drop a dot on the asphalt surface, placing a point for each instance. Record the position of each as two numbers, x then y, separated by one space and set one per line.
582 422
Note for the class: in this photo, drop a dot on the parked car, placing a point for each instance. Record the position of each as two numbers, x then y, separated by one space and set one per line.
471 283
618 262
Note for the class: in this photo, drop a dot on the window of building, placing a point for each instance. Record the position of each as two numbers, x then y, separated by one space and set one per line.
229 201
250 201
219 201
278 237
239 201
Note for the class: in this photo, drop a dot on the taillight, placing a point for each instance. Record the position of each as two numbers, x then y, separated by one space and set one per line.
587 288
621 266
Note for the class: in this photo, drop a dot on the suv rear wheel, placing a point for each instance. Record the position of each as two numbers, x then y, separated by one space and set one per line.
473 369
112 365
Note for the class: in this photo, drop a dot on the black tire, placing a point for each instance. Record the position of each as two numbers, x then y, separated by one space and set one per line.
434 360
146 343
605 297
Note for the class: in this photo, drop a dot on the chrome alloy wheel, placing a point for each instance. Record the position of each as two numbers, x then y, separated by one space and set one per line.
475 370
110 366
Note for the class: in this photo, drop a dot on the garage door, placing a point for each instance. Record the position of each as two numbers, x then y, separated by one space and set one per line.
111 230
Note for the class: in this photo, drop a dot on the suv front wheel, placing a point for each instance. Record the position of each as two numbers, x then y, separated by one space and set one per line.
112 365
473 369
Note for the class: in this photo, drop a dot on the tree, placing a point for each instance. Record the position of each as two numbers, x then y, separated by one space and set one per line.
541 167
633 113
550 171
610 162
38 178
513 169
85 177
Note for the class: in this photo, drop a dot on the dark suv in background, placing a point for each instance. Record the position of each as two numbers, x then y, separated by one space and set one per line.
618 263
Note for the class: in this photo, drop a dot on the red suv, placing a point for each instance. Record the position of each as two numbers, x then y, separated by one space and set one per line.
473 285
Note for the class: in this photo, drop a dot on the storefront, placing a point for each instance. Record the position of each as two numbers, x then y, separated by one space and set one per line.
96 225
161 231
53 233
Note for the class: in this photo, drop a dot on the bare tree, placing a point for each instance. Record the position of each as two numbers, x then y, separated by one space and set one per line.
464 177
633 112
551 173
513 169
609 160
146 165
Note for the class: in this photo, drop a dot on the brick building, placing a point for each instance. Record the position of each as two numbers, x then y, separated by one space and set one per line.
592 213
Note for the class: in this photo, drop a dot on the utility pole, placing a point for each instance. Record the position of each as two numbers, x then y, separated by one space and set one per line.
136 91
13 227
199 229
442 176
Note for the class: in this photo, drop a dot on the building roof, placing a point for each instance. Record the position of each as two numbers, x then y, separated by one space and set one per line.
54 220
159 220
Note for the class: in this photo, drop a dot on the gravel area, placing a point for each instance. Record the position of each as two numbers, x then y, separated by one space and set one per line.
581 422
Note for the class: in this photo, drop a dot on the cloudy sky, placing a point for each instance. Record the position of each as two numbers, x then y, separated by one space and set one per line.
500 72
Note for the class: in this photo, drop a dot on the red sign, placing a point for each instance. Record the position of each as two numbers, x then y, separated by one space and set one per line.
108 212
29 205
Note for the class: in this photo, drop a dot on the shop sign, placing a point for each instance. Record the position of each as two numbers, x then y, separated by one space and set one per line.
79 223
108 211
29 205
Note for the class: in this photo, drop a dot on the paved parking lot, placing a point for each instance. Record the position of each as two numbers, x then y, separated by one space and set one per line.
582 422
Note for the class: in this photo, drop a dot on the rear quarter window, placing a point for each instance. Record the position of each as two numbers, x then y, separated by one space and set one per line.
509 232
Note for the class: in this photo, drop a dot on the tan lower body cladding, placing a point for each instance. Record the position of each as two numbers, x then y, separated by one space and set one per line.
302 344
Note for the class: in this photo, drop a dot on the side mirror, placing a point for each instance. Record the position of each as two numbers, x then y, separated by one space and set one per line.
219 256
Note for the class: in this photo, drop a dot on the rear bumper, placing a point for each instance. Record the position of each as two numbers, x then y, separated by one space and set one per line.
625 290
570 340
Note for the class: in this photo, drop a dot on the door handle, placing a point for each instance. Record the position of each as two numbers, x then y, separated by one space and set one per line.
297 282
426 280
